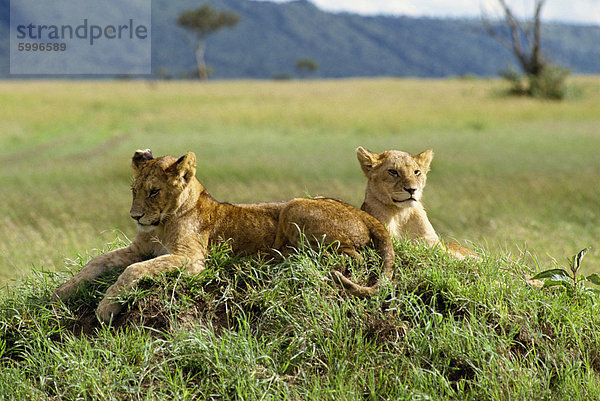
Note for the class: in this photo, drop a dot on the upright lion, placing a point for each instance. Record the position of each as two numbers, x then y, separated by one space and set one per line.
395 183
178 220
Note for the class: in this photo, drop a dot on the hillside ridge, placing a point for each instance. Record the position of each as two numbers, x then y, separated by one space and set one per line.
271 37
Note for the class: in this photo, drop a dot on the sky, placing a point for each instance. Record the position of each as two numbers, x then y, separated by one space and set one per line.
572 11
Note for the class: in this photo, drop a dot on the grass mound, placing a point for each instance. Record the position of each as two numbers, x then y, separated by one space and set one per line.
253 329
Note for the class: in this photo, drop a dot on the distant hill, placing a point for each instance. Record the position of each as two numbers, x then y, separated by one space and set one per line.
271 37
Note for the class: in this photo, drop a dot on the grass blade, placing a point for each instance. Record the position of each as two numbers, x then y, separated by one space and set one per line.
551 273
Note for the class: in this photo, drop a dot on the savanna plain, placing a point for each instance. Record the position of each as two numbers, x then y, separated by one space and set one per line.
515 179
511 175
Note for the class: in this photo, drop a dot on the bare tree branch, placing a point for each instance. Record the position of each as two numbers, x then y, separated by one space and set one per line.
537 39
524 40
524 37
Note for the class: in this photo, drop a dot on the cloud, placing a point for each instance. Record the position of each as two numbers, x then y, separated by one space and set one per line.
578 11
395 7
586 11
439 8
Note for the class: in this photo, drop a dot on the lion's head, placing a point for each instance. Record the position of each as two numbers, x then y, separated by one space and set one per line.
159 186
394 177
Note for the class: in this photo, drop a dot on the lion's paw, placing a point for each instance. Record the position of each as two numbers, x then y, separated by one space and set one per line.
107 310
65 290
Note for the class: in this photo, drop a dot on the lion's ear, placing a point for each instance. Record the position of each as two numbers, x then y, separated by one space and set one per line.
185 167
139 157
423 159
367 159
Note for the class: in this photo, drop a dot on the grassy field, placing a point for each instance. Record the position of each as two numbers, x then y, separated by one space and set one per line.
511 175
249 330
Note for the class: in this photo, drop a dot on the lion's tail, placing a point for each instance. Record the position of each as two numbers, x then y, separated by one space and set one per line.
384 247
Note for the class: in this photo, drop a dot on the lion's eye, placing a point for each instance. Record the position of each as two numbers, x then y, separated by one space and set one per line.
393 172
153 193
417 172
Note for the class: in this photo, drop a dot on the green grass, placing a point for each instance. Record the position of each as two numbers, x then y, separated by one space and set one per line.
517 177
247 329
512 175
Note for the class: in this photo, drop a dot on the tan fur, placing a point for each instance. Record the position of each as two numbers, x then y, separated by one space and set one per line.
395 183
178 220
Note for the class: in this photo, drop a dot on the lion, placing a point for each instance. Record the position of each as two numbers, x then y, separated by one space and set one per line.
178 220
395 183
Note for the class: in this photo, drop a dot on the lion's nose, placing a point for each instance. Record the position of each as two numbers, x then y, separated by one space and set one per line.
411 191
137 217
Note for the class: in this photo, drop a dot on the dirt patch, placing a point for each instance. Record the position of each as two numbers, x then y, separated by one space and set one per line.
383 330
35 151
184 311
460 370
101 148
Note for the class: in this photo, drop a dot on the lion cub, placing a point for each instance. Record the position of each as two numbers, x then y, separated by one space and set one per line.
395 182
178 220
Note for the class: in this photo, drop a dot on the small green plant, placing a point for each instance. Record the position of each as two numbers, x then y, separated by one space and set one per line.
571 281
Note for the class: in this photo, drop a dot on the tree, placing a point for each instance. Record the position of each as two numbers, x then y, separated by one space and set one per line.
524 40
306 66
203 21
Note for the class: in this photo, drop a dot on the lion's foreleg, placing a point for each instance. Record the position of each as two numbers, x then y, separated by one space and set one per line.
110 307
100 264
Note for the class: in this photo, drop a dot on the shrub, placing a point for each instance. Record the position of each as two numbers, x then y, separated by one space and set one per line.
550 83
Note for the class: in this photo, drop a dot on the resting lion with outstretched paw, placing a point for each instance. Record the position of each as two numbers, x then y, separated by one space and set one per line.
395 183
178 220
